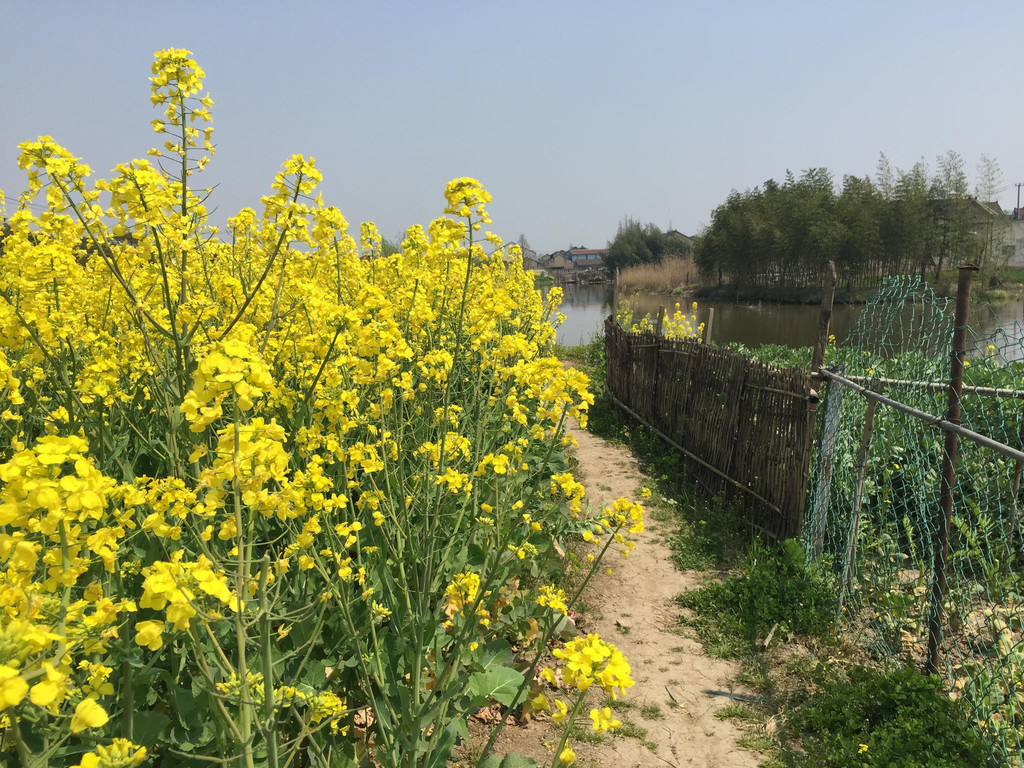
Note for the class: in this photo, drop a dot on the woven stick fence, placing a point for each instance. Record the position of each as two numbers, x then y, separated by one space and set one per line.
744 427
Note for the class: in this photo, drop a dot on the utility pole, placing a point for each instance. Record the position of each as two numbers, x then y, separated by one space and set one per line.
1016 211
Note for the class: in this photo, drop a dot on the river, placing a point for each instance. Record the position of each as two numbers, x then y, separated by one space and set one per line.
586 306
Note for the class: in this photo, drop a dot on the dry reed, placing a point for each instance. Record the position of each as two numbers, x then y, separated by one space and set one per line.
665 276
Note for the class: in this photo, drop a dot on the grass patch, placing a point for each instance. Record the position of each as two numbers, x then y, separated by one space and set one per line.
776 594
631 730
651 712
742 712
586 735
758 742
619 705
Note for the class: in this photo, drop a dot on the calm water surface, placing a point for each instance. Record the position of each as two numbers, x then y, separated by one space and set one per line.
586 306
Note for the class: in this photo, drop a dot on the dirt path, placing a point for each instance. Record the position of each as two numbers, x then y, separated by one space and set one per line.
672 697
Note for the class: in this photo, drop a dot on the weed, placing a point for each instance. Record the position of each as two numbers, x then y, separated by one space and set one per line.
631 730
619 705
651 712
586 735
758 742
776 591
743 712
865 717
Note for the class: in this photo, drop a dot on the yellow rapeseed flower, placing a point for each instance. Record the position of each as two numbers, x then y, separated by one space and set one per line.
88 714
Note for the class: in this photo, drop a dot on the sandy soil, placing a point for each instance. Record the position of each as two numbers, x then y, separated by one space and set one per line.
633 609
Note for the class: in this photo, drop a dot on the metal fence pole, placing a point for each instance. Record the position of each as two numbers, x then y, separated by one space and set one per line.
949 454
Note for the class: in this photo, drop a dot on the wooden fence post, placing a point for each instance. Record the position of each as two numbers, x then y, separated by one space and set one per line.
707 328
826 452
828 295
949 454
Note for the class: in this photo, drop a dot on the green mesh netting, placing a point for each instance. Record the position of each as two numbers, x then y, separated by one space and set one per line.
874 506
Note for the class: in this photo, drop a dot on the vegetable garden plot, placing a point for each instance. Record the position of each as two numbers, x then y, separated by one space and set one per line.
876 512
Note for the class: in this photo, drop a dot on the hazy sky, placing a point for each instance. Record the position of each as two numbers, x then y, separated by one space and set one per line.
573 114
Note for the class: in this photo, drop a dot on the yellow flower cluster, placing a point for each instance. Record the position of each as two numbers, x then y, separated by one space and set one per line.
622 519
572 490
588 660
229 368
675 325
209 442
175 588
120 753
554 598
680 325
467 198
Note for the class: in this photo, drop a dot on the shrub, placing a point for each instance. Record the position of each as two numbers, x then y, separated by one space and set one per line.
867 718
776 590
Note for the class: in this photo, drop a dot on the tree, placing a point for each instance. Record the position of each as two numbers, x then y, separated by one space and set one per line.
993 232
884 179
989 181
954 238
910 231
635 243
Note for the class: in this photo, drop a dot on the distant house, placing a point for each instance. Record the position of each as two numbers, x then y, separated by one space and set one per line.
677 242
990 222
1013 248
587 258
984 224
558 263
531 262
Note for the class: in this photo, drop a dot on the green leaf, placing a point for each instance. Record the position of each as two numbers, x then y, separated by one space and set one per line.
496 654
498 684
148 727
513 760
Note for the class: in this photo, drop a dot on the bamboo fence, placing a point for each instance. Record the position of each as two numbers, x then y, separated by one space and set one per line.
744 427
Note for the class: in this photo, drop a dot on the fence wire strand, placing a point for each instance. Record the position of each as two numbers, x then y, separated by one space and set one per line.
874 506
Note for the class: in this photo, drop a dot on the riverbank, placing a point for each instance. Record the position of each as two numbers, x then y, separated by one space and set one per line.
995 310
995 288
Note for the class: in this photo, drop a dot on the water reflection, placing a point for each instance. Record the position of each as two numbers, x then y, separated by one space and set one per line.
586 306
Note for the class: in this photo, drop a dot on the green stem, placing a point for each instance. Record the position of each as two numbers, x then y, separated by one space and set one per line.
241 577
568 727
270 720
19 743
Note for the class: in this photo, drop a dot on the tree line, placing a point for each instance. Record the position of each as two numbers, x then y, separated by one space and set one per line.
637 243
781 236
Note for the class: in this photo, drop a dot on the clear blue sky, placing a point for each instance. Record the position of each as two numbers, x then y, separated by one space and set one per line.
573 114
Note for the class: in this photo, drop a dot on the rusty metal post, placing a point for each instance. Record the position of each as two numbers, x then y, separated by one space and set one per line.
940 541
828 295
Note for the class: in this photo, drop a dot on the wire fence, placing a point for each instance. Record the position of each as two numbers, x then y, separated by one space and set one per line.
928 562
